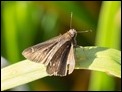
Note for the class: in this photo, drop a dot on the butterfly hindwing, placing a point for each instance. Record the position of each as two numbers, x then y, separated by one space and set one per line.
58 63
71 60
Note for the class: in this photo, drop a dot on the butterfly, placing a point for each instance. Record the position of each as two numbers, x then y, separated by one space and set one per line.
57 54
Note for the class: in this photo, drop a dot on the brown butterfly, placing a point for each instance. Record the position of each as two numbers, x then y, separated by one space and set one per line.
57 54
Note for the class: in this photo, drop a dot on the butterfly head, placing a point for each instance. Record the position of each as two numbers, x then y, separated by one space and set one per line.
72 32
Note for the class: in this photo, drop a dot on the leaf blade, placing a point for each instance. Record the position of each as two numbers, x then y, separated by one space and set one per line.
100 59
90 58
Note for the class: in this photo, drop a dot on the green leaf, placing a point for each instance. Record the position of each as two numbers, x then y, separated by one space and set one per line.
99 59
91 58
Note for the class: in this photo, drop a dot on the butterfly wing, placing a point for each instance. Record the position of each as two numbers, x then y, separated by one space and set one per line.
37 52
43 52
71 60
58 64
54 53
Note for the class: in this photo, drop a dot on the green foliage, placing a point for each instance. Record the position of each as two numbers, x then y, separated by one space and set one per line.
27 23
108 35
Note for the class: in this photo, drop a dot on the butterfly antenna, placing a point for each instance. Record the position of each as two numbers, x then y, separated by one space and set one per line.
84 31
71 21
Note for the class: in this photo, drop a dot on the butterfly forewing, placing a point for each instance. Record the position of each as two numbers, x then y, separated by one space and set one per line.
37 52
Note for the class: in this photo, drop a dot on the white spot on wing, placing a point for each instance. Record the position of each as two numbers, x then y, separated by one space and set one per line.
32 49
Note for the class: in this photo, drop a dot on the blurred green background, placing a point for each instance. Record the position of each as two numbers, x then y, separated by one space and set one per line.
24 24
